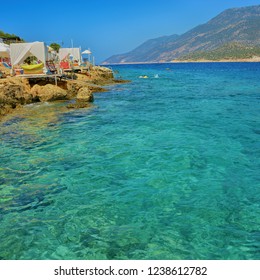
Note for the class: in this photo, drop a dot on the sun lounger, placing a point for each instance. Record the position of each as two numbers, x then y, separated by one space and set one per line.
51 67
6 65
33 69
65 65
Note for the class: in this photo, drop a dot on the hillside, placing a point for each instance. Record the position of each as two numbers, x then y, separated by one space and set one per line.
229 51
9 38
148 51
240 25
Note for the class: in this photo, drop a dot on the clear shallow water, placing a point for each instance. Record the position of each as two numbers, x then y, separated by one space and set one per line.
161 168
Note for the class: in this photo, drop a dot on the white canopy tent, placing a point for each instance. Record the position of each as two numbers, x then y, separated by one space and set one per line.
74 52
4 50
20 51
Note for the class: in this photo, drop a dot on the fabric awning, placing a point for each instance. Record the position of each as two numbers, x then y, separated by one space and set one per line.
4 50
20 51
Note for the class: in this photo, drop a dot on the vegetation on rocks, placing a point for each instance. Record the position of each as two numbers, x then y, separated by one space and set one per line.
9 37
230 51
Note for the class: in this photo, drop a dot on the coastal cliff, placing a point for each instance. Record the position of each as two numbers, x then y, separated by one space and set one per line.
18 91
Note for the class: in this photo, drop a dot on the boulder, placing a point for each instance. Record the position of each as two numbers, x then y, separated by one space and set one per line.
13 93
74 86
83 99
84 95
48 92
102 72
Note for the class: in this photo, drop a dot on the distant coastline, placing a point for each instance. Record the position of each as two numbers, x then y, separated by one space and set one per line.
221 60
254 59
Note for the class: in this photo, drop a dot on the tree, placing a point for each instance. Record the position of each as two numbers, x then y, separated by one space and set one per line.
9 38
55 46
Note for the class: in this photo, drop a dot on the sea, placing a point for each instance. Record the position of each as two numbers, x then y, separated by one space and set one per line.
165 167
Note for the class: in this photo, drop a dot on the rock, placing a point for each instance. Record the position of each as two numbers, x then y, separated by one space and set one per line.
73 87
101 75
13 93
102 72
17 91
95 88
79 105
48 92
83 99
84 95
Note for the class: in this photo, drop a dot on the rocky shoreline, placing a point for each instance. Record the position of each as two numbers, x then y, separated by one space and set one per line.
18 91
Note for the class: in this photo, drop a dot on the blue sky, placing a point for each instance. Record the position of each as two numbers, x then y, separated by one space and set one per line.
107 27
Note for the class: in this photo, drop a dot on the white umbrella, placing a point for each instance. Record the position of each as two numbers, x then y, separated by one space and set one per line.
4 50
87 52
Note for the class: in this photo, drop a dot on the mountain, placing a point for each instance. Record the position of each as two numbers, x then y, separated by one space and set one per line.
148 51
239 25
229 51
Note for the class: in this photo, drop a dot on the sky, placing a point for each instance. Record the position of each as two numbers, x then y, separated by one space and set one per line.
107 27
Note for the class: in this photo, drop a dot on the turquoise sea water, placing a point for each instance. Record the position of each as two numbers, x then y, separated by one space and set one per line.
161 168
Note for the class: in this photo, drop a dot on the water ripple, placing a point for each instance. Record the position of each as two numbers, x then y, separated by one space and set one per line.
164 168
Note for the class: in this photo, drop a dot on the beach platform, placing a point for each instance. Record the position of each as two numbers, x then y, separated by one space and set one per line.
42 76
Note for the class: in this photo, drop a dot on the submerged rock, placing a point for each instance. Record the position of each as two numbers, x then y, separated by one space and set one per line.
79 105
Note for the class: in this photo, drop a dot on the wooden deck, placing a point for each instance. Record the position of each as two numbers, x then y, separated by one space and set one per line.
31 76
41 76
